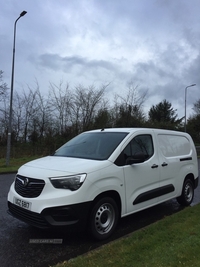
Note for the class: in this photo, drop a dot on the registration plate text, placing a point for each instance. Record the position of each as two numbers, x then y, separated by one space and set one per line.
23 204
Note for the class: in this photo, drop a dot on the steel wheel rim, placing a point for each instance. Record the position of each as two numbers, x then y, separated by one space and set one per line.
188 192
104 218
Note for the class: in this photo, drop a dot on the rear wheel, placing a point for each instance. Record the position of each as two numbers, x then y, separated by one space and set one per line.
187 195
104 218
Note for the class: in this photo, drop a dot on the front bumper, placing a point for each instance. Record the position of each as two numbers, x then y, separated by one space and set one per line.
64 216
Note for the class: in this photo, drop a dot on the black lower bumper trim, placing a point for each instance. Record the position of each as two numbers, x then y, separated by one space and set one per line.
71 215
27 216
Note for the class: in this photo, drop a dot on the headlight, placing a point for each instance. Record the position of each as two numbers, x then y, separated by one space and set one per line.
72 182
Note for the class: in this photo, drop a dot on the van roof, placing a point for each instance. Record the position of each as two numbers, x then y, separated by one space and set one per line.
135 129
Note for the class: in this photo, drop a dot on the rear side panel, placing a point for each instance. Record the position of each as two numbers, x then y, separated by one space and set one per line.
177 156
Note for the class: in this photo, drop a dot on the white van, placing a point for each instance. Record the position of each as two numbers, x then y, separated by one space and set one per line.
102 175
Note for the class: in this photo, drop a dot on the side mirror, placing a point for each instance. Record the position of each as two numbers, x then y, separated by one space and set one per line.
138 157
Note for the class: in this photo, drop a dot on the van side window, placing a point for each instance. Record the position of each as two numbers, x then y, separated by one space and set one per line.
139 144
174 145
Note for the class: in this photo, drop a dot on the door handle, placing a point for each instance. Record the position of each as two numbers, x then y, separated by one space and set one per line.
164 164
154 166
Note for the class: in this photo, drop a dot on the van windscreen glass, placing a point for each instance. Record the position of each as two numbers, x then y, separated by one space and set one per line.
92 145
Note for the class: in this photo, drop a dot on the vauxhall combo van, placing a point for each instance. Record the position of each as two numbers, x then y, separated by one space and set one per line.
102 175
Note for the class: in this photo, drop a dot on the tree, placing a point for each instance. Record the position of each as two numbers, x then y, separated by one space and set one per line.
3 87
164 116
24 109
103 119
193 128
4 109
61 105
42 119
193 123
128 110
4 115
86 103
130 116
196 107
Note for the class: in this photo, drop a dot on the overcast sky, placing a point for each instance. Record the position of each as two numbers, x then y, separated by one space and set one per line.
153 43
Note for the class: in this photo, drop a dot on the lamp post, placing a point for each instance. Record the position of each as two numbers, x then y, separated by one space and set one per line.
185 100
11 94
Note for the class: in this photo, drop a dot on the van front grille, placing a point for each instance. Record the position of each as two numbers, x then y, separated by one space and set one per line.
28 187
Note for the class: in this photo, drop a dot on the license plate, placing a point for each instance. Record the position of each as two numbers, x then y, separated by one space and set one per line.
23 204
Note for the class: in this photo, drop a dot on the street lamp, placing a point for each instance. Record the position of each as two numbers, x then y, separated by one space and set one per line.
185 100
11 94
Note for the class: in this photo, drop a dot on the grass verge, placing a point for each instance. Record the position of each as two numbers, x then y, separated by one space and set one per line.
171 242
15 163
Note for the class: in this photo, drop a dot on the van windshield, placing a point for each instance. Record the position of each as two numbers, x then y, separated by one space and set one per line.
94 145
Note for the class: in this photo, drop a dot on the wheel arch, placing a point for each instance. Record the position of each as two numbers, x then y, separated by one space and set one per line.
187 193
191 177
112 194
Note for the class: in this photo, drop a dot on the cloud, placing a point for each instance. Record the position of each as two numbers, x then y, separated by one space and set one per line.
56 62
153 43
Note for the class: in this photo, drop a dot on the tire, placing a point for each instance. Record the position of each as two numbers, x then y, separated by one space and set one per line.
103 218
187 195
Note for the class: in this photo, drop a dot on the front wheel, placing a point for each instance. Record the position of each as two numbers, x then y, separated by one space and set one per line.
187 195
104 218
